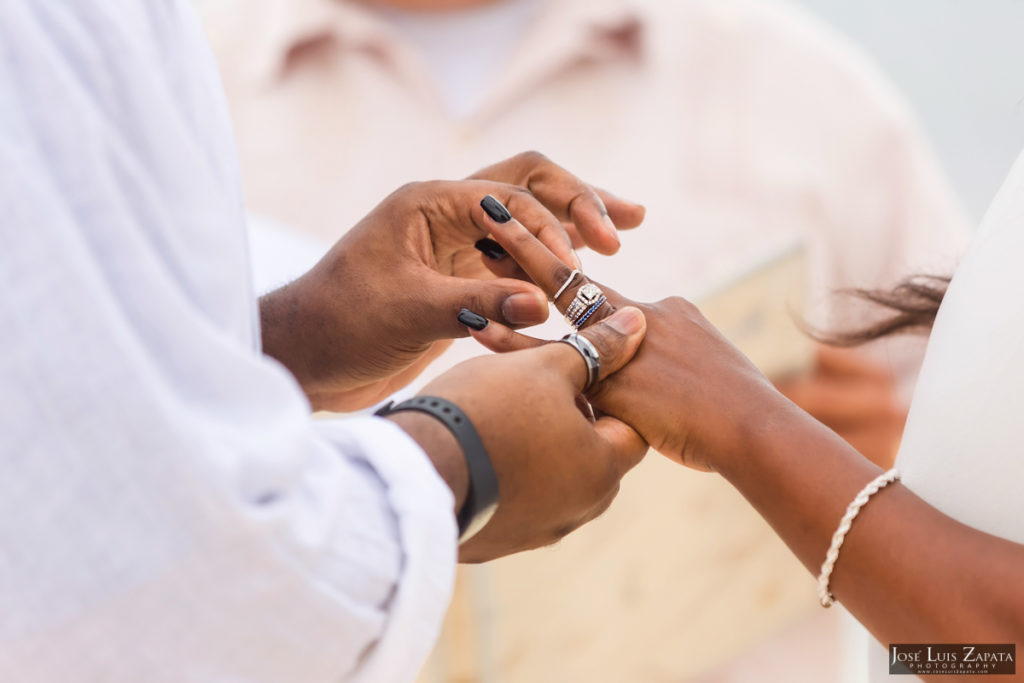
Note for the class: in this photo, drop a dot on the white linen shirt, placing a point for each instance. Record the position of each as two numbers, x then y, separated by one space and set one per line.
169 511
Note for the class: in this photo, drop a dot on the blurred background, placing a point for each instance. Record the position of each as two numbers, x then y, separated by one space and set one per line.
681 580
962 67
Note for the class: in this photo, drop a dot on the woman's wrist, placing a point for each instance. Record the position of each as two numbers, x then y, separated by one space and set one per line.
755 433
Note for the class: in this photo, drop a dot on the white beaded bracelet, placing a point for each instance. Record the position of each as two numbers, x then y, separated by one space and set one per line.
879 482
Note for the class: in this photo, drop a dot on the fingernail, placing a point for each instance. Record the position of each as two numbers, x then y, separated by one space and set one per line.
523 308
491 249
495 209
626 321
609 225
473 321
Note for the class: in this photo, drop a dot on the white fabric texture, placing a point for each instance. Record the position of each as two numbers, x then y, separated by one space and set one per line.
169 510
961 448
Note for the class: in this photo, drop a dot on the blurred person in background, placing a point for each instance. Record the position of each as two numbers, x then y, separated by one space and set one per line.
740 124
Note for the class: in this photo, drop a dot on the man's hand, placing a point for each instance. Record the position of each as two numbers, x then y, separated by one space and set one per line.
382 304
557 469
856 398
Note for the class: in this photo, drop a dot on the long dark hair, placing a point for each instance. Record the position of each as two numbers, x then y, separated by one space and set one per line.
912 306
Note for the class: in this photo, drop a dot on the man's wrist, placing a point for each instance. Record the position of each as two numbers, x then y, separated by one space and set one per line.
441 447
283 328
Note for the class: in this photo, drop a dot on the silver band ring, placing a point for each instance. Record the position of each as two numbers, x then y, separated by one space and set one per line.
586 296
565 285
590 356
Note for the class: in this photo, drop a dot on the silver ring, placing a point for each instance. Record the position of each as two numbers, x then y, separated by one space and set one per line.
565 285
586 296
589 353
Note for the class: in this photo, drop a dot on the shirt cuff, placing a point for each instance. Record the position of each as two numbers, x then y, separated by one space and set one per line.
423 507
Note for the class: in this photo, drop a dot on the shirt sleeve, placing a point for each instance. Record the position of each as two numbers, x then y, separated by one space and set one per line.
169 509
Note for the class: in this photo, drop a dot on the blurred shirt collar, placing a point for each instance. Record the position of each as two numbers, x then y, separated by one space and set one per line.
289 32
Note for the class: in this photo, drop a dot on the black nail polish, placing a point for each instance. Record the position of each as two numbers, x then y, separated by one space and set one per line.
472 320
496 210
491 249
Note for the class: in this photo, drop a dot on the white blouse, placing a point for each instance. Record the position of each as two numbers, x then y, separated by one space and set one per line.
962 450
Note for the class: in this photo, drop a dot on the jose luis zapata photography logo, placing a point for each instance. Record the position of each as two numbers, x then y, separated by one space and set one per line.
952 659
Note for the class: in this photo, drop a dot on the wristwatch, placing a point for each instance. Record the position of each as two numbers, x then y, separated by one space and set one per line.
482 495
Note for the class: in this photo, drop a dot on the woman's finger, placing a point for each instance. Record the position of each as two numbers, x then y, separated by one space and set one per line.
571 199
574 235
543 268
597 214
532 215
495 259
453 212
625 214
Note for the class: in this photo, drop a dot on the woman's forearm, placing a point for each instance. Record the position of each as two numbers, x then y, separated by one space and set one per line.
908 572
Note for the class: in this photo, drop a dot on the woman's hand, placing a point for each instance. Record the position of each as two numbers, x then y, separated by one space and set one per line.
688 391
383 302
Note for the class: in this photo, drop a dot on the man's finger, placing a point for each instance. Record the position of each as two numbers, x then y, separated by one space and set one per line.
624 446
616 339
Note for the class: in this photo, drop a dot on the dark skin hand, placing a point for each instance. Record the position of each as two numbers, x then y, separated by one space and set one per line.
382 304
385 301
557 469
908 572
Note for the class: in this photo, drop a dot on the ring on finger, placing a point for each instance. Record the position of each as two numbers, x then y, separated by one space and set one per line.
589 353
586 297
565 285
590 311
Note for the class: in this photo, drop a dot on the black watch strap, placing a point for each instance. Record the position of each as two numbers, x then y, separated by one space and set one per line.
482 495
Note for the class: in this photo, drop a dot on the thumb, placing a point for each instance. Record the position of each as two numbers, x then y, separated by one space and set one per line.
617 338
511 302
